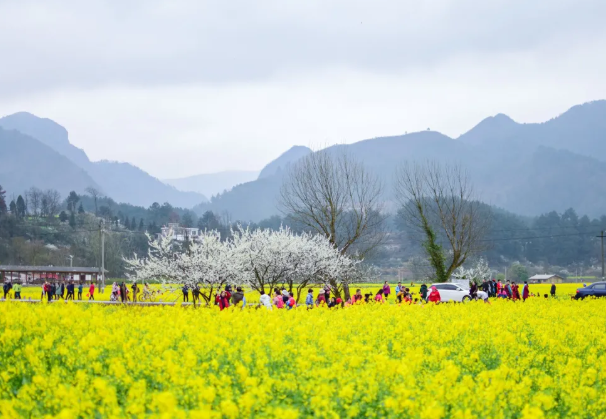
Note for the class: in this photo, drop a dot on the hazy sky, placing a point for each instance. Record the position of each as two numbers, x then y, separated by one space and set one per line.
182 87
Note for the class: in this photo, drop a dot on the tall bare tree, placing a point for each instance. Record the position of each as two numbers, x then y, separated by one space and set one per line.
51 201
95 194
34 200
332 194
438 202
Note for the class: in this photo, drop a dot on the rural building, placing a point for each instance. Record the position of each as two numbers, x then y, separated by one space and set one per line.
179 233
39 274
546 278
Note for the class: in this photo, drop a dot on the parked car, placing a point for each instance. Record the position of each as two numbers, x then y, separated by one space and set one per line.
452 292
597 289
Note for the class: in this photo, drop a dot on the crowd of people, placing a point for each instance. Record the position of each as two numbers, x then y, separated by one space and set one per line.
282 298
66 291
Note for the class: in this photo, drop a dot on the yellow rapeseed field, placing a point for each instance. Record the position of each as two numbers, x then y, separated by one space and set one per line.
542 358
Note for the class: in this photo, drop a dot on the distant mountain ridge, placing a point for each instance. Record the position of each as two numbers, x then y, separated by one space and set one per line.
280 164
26 162
523 168
123 182
209 184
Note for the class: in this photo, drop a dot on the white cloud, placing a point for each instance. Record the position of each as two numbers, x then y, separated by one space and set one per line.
186 87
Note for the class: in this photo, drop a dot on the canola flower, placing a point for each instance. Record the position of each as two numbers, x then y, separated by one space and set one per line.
543 358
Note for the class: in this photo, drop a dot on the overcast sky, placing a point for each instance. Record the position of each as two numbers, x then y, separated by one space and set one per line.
181 87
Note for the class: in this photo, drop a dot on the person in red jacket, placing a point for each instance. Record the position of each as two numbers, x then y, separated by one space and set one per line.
91 291
222 300
434 295
516 291
525 291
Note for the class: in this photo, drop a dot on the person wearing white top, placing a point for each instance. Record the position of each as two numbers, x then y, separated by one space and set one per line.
265 300
482 295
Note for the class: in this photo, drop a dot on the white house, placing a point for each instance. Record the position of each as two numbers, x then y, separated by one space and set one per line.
179 233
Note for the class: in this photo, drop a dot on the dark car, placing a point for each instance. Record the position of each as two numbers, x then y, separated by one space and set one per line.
597 289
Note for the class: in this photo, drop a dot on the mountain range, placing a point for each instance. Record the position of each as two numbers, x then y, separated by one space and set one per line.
523 168
37 152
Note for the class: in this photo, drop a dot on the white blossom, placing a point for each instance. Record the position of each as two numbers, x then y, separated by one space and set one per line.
477 273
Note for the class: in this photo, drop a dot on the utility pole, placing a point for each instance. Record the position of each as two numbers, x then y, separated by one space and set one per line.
601 236
102 229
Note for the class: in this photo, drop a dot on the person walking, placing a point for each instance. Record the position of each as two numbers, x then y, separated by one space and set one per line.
44 284
185 290
63 290
49 292
309 299
515 291
80 288
493 288
278 300
321 298
399 293
237 297
473 291
265 300
357 298
553 289
434 296
6 288
123 292
222 300
525 291
486 286
70 291
423 291
114 295
291 301
386 289
508 290
17 290
91 291
57 291
195 294
135 289
327 291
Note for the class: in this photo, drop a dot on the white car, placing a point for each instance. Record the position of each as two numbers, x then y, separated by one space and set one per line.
451 292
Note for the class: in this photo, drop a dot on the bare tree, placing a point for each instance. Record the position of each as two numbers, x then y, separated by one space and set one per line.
336 196
51 200
34 200
437 201
95 194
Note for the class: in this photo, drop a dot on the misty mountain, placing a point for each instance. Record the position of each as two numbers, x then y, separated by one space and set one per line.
280 164
213 183
123 182
26 162
47 132
581 129
523 168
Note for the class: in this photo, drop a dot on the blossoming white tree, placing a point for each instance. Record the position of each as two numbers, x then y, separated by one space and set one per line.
261 259
206 263
267 259
477 273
